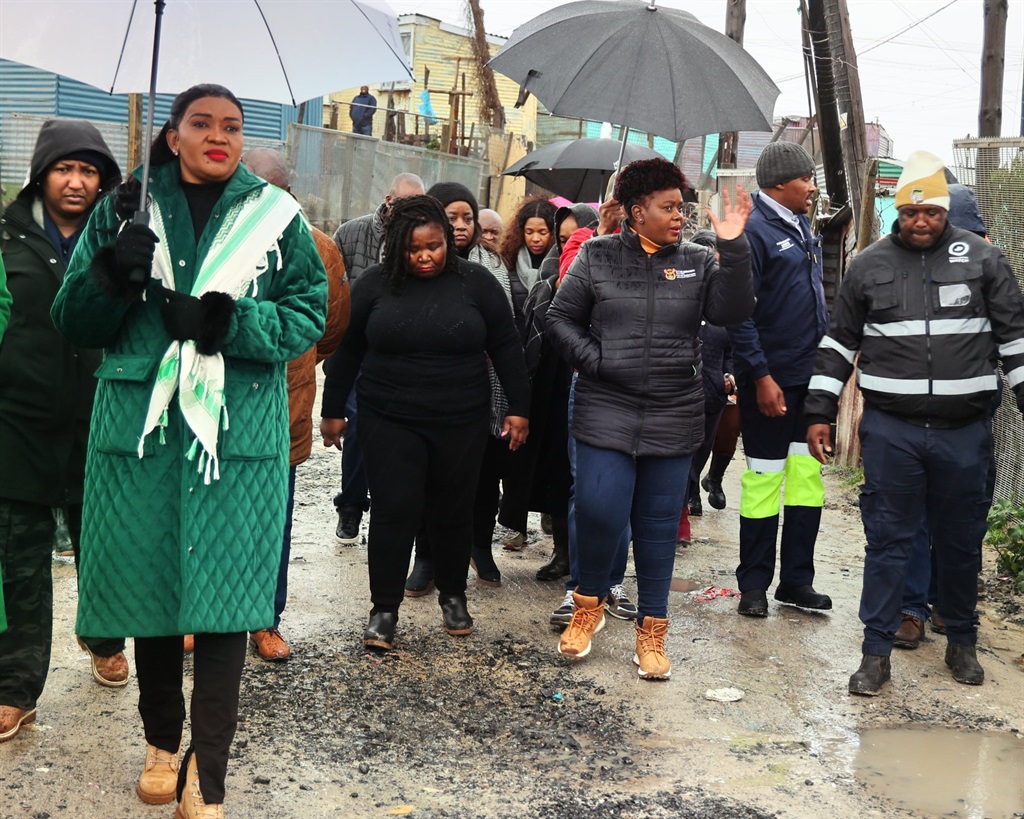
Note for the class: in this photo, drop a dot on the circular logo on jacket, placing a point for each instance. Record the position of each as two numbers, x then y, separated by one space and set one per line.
959 249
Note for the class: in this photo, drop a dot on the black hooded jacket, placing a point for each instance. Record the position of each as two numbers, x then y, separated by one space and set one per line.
46 384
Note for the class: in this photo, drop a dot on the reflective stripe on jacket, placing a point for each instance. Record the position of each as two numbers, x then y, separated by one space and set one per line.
929 326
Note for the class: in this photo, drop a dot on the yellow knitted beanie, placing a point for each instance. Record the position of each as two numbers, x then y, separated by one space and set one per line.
923 182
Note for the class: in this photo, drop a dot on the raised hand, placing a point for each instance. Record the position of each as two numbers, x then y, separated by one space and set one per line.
731 225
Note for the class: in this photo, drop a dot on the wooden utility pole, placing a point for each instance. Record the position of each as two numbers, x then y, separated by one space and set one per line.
828 111
993 57
851 107
735 18
135 127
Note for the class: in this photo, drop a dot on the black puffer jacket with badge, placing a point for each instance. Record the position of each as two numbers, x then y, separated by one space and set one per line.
628 321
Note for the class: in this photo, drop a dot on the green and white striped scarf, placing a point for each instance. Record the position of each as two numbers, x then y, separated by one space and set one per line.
237 257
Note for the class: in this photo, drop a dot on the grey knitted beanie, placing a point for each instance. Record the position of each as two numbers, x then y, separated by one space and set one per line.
782 161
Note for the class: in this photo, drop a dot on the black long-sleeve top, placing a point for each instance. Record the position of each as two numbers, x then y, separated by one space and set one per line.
423 352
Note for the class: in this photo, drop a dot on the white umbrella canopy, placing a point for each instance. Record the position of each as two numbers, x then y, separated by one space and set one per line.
283 51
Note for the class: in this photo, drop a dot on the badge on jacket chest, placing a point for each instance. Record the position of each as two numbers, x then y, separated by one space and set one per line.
670 274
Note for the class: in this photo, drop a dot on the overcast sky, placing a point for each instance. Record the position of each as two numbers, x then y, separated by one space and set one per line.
923 85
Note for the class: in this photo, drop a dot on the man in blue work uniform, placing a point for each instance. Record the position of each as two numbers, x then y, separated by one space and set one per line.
774 354
930 309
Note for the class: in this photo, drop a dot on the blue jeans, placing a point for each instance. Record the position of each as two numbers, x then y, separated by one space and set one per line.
615 491
355 492
913 473
622 556
281 595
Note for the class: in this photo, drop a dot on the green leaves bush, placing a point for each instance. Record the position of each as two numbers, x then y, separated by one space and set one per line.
1006 535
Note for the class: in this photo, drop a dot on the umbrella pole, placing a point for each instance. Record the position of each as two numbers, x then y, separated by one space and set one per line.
142 215
622 150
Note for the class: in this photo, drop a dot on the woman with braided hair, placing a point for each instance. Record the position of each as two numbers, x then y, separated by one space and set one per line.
424 323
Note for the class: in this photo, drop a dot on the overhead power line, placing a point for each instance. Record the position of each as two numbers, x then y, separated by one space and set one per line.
913 25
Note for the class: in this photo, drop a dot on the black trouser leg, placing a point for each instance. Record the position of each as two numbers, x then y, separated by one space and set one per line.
158 663
26 546
452 477
485 506
218 662
395 457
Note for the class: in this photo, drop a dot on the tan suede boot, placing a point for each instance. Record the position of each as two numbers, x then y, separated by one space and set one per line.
159 779
651 661
192 805
587 620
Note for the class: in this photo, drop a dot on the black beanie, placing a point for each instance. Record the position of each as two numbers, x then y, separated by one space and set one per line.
448 192
781 162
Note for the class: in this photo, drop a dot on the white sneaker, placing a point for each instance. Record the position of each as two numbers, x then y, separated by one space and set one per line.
562 616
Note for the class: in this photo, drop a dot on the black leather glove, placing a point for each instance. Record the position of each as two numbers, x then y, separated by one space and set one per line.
133 251
205 320
127 197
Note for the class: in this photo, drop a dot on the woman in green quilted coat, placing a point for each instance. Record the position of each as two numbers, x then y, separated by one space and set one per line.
187 465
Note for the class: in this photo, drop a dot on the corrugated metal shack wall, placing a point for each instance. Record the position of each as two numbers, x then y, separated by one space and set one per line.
995 169
27 90
19 141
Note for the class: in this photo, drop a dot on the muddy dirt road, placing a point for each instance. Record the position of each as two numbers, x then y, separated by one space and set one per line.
497 725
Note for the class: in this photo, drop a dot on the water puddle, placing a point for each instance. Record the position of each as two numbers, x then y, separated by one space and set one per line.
937 771
684 584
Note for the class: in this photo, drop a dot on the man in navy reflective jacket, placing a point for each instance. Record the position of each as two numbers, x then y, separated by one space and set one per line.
929 309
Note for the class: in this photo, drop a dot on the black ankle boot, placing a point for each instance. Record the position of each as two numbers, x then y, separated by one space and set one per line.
963 662
873 673
457 621
486 569
380 630
421 578
558 566
694 504
712 483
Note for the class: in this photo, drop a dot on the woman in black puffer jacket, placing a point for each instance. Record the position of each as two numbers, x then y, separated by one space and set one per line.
627 317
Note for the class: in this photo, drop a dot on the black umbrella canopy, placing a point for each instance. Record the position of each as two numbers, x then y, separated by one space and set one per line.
577 169
637 64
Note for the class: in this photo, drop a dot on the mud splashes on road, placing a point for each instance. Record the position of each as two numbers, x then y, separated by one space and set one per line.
937 770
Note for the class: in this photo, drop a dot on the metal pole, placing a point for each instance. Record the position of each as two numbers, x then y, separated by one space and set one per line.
622 152
141 216
138 275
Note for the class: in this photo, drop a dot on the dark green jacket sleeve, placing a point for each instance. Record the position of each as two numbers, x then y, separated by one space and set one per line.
5 300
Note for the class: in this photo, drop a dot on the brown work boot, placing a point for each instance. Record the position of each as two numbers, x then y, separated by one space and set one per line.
191 804
159 778
650 658
910 633
112 672
271 645
587 620
11 720
938 624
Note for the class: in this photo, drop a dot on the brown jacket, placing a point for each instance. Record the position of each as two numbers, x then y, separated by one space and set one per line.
302 370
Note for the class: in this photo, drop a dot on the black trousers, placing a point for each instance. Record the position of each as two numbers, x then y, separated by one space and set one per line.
420 473
26 554
218 660
485 507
